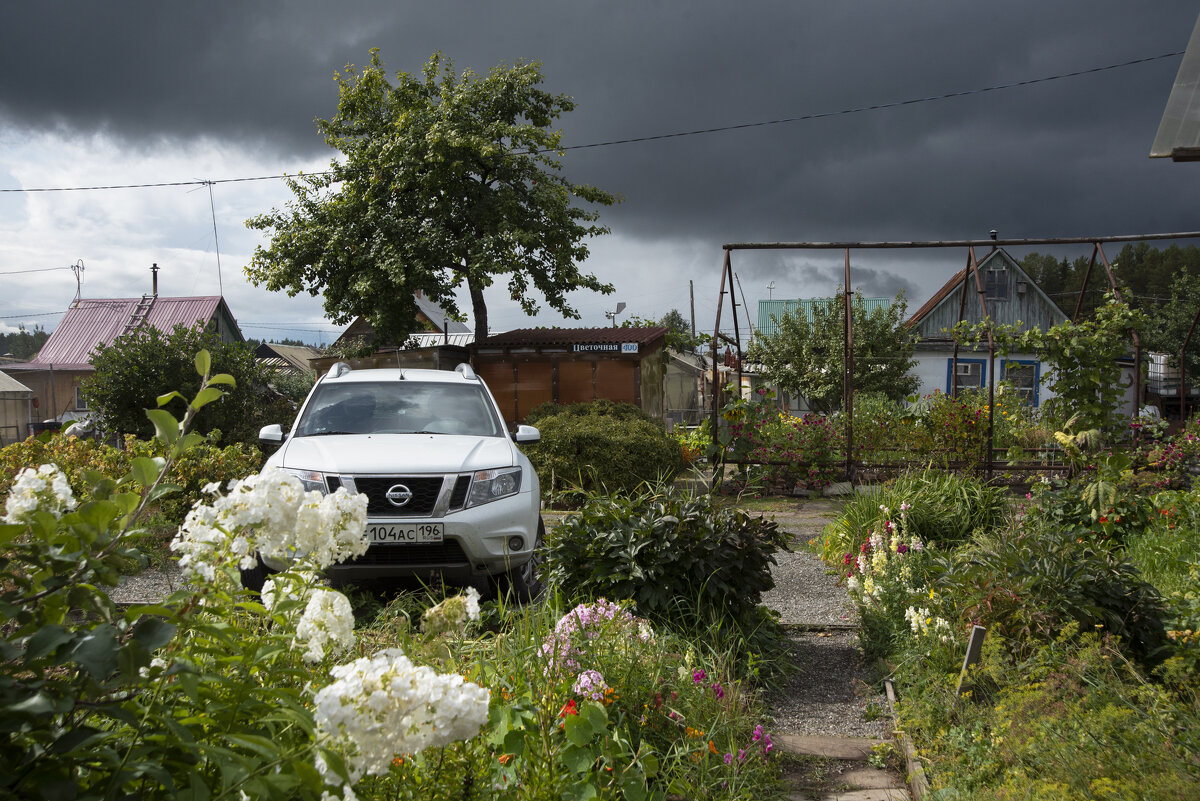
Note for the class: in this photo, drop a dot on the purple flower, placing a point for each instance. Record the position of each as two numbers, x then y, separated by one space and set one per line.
718 690
698 675
728 759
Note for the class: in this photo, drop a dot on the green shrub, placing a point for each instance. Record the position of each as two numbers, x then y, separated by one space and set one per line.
945 510
204 463
682 560
1028 582
603 445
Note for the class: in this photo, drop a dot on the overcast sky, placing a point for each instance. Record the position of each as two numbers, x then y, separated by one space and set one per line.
100 94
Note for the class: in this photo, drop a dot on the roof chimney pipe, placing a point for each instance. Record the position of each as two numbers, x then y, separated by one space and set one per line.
992 234
154 282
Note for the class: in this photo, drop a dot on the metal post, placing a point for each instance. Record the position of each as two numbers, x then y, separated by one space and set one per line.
848 373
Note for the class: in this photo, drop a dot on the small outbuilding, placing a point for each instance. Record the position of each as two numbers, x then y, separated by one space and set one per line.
531 366
16 410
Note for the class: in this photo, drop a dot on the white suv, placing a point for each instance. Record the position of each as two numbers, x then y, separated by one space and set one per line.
450 494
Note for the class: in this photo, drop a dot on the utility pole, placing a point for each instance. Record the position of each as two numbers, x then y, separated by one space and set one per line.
692 295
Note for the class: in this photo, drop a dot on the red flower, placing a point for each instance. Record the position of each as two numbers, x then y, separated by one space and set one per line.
568 709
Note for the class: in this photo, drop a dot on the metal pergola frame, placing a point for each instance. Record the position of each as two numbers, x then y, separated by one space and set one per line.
972 270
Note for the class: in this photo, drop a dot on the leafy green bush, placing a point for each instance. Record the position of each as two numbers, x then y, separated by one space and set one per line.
681 559
1028 582
792 451
602 445
203 463
945 510
137 368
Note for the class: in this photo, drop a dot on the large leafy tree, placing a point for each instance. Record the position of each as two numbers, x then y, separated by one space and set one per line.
132 372
807 357
442 180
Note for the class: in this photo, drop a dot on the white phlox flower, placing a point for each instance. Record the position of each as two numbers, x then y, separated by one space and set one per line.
44 488
270 513
327 623
382 706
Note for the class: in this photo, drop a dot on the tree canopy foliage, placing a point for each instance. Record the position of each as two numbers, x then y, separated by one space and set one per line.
806 356
23 344
132 372
1163 284
443 179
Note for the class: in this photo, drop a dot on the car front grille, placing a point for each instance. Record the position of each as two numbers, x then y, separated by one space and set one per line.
424 489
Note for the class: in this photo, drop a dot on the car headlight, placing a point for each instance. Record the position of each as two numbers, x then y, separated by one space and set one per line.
309 479
492 485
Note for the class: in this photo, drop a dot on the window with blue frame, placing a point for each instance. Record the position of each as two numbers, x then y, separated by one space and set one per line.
1025 377
971 374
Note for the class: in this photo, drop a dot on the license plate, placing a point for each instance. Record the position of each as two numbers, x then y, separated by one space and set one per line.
405 533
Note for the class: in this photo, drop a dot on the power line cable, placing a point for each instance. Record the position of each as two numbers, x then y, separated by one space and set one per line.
679 134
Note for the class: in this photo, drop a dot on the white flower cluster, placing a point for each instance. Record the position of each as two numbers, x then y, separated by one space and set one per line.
382 706
327 622
923 623
45 488
270 513
452 614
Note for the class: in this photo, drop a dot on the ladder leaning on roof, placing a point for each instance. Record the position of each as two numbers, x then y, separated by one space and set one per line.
139 314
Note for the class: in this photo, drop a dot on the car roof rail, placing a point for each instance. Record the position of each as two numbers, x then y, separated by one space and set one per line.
338 370
465 371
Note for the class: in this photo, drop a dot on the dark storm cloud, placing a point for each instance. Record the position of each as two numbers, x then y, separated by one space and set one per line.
1067 157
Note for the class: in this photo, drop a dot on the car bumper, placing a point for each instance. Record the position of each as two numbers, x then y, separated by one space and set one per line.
477 542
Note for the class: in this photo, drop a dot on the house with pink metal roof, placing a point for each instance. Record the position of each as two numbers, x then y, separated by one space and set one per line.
55 374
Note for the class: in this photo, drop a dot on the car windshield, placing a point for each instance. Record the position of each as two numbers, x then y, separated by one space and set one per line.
399 407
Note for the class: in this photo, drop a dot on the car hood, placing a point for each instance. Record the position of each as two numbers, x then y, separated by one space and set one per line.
395 453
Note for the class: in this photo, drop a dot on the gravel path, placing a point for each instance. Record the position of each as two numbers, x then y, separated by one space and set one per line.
830 691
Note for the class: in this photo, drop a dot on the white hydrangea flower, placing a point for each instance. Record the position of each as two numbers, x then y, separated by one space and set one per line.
381 706
327 623
45 488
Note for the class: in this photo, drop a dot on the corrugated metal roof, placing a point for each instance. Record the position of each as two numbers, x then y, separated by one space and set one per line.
90 322
572 336
295 357
433 339
771 310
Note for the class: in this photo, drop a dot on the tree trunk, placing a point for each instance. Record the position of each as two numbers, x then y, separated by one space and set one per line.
479 308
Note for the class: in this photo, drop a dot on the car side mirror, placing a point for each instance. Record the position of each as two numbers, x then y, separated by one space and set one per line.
271 433
526 434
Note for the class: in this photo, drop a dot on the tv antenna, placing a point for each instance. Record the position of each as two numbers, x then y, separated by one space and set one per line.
77 268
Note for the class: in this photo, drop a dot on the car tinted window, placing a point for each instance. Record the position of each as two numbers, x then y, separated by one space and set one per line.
399 407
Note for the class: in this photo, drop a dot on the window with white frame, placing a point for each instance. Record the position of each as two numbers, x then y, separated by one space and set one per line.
80 402
965 374
1023 375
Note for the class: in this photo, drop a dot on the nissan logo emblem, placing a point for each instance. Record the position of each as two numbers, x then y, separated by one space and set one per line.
398 495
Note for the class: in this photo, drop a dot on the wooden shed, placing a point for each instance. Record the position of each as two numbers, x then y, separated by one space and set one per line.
530 366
